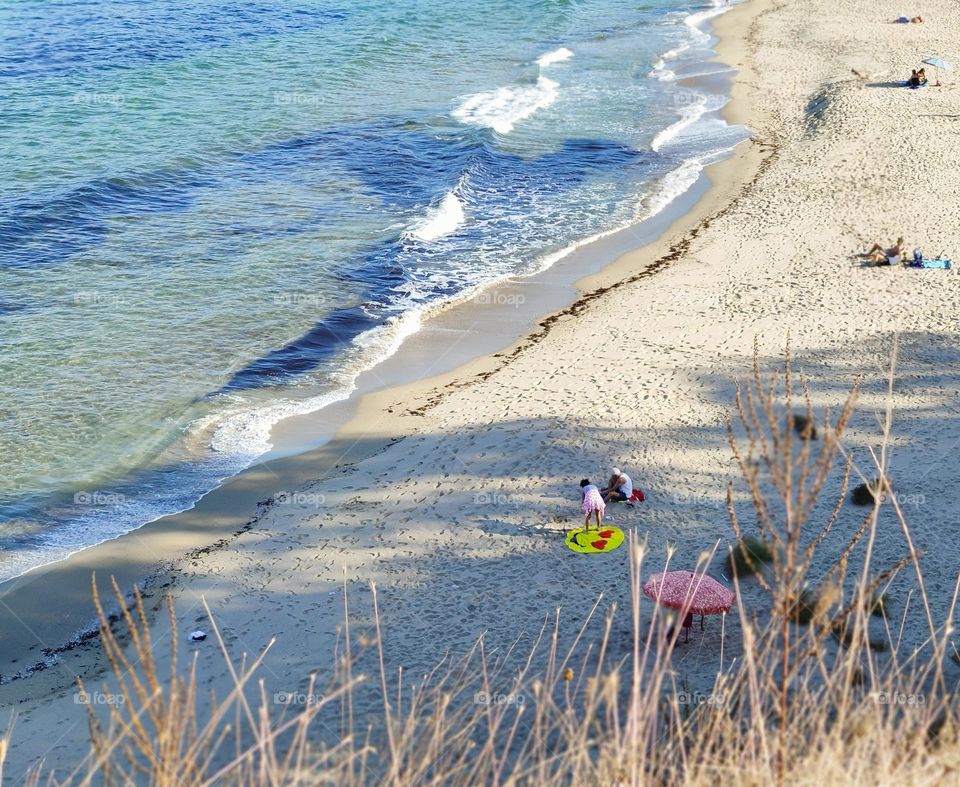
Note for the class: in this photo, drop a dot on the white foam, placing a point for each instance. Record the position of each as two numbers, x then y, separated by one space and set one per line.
556 56
697 105
698 37
690 114
503 108
440 220
673 184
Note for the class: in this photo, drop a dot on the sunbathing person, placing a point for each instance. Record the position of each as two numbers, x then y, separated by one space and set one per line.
881 256
917 78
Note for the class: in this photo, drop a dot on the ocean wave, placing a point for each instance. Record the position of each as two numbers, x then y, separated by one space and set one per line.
697 105
556 56
440 220
671 186
694 21
503 108
697 37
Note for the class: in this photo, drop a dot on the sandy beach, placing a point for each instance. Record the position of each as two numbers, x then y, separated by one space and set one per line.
452 493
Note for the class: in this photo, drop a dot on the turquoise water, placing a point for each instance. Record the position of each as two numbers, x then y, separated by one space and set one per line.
216 215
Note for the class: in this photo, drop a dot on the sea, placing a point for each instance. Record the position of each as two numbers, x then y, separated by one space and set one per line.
214 216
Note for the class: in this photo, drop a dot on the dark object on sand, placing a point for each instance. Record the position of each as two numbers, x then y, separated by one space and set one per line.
870 493
878 605
843 634
757 555
198 636
800 425
802 609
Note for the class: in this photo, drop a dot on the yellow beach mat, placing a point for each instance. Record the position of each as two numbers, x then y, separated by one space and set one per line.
606 539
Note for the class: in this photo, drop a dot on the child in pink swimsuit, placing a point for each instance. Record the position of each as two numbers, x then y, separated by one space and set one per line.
591 502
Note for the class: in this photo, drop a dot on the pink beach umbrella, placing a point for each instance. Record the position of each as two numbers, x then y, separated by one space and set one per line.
694 593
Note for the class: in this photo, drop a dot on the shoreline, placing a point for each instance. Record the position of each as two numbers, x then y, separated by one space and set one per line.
372 421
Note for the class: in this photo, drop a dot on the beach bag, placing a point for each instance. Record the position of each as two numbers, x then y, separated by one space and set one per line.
917 256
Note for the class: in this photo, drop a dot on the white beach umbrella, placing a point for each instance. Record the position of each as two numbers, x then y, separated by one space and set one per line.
938 63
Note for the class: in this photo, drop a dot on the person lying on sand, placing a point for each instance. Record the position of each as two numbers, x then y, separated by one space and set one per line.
902 20
881 256
619 487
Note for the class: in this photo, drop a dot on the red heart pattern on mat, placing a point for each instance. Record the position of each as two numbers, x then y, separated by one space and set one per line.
597 542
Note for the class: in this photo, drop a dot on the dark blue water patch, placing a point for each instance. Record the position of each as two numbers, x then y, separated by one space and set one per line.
401 163
415 169
12 307
327 339
410 167
44 38
48 231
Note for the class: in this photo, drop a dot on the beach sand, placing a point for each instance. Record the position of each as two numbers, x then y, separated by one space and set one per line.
452 493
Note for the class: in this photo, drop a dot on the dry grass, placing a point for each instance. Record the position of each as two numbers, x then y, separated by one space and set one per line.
811 699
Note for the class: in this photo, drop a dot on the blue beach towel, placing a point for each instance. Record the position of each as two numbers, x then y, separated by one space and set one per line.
938 263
